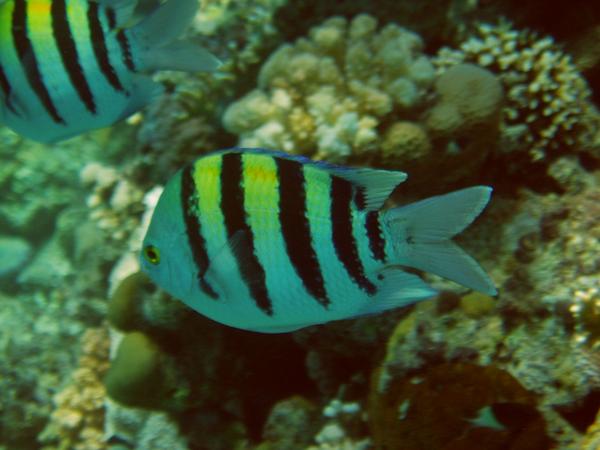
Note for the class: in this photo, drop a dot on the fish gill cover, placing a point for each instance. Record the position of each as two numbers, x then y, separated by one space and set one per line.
94 356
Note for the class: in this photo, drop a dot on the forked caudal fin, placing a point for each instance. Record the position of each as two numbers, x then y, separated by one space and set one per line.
422 234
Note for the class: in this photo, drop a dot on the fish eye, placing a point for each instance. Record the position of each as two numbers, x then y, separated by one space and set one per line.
152 254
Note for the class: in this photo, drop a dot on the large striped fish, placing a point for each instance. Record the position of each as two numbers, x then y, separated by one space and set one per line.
68 66
269 242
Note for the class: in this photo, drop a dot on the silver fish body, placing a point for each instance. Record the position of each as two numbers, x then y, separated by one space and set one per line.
69 66
269 242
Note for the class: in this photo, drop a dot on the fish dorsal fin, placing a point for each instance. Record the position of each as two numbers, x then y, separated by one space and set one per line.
375 185
144 8
166 23
124 10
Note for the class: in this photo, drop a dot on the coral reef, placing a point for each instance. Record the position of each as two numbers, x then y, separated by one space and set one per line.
437 21
140 429
291 424
14 253
592 439
456 406
547 107
351 92
328 94
115 201
508 107
77 421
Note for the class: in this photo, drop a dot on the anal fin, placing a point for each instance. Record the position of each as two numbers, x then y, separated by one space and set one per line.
397 288
144 90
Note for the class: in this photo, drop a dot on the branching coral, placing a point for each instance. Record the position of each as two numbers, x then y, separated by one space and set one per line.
115 202
547 100
586 310
330 94
355 93
77 422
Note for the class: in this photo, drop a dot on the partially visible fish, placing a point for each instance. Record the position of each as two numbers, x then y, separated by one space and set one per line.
69 66
486 418
268 242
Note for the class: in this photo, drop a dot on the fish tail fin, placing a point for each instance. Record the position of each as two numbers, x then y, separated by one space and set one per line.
160 49
422 234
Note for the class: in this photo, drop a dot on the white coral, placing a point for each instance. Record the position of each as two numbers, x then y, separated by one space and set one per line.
327 94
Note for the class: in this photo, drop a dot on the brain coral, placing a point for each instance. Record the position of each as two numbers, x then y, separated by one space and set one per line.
333 94
547 105
468 96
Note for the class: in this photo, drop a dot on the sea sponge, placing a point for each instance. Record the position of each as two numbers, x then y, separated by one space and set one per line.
125 306
406 141
469 97
333 94
142 376
456 406
547 104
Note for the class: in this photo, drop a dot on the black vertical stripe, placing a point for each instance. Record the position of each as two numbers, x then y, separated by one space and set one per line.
29 60
68 53
343 238
296 229
360 199
4 84
99 46
375 235
112 18
6 90
233 209
125 50
193 228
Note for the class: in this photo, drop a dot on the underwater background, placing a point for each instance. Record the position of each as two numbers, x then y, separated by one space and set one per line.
453 92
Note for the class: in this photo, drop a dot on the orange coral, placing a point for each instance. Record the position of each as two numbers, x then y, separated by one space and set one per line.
77 422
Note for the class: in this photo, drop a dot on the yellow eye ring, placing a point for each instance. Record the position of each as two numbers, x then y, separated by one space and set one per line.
152 254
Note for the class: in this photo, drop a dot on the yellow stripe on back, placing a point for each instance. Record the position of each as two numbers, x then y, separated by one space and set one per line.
260 189
6 41
207 177
77 13
39 8
39 22
40 33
